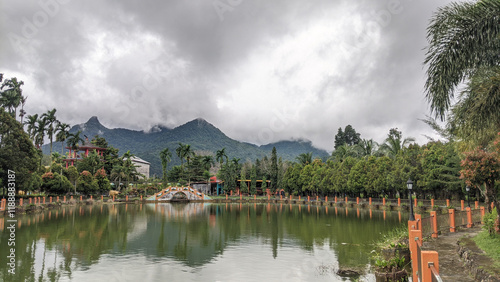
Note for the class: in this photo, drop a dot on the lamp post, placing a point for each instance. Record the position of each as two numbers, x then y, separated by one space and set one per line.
467 188
409 185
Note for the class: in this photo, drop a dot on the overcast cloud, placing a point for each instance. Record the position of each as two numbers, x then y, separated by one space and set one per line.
261 71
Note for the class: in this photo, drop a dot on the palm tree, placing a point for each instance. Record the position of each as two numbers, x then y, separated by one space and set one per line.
40 129
207 162
118 172
12 96
367 147
73 140
166 157
62 134
394 143
463 41
304 158
31 122
50 116
22 112
344 151
220 155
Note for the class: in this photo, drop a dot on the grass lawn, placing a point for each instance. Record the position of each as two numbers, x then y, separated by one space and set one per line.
490 245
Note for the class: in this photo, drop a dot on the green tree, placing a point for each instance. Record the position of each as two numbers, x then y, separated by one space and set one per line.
394 143
253 178
347 137
165 156
220 155
17 152
463 38
11 95
50 117
90 163
62 134
55 183
274 170
86 183
102 180
304 158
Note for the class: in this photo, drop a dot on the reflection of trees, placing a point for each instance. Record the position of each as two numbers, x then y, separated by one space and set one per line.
81 239
193 234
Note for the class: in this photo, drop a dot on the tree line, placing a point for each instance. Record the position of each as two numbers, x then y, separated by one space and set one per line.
20 151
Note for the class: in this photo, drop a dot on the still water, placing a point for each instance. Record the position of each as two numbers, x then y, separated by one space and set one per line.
194 242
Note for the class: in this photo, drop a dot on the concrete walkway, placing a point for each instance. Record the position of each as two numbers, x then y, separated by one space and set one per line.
451 266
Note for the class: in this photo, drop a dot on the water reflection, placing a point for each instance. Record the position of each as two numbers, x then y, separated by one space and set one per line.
75 242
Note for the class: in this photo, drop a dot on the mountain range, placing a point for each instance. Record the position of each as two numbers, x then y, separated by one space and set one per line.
200 134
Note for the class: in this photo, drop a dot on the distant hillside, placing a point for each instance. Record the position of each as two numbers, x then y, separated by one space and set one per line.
200 134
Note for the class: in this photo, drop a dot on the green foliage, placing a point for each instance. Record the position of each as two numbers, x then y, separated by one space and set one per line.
489 220
17 152
347 137
103 183
86 183
90 163
55 183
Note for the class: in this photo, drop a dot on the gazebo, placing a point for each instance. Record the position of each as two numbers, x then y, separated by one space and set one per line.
87 147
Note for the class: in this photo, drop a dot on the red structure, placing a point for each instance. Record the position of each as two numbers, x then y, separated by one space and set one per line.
86 148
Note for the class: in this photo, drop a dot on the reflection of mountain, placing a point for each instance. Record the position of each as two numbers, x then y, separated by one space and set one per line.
193 234
180 231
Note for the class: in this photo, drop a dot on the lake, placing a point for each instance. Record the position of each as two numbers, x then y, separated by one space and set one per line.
195 242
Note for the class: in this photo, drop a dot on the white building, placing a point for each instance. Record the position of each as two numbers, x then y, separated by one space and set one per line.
142 166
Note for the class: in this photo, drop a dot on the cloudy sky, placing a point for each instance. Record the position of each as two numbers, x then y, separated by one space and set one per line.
260 70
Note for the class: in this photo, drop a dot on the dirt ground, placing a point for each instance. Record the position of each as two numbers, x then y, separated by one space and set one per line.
474 264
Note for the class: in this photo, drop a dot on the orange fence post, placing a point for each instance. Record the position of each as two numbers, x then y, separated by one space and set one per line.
126 198
452 219
291 197
482 215
383 201
81 198
64 199
399 202
299 198
2 204
428 258
415 201
447 202
57 199
462 204
469 217
268 197
30 201
370 201
434 224
141 197
241 196
102 197
414 234
113 198
21 202
326 199
432 203
50 200
317 198
44 200
476 205
308 198
346 200
357 200
335 199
